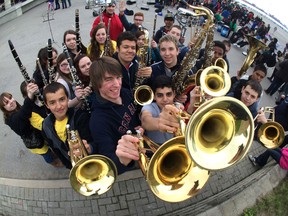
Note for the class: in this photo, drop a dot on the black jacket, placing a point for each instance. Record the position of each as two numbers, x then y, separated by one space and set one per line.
78 120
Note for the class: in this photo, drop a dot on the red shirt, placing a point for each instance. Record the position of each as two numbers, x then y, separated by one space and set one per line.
116 26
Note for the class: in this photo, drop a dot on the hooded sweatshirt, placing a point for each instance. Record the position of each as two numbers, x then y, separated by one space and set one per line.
110 121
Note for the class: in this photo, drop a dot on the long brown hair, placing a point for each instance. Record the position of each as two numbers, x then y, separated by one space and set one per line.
95 51
3 102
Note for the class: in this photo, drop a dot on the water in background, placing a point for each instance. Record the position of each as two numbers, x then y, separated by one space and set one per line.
281 33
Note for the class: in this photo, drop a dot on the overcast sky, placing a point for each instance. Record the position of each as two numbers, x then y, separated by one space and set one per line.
278 8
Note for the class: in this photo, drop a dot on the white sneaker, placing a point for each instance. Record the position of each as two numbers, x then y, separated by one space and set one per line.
238 46
244 53
252 159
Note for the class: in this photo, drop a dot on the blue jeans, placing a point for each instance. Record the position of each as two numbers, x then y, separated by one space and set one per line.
48 156
276 83
262 159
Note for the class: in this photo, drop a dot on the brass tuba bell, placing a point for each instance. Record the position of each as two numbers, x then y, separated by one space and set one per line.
90 175
219 133
271 134
254 46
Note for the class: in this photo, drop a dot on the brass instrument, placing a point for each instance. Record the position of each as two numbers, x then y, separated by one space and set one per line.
254 46
213 80
271 134
39 101
170 173
143 94
219 133
90 175
106 51
41 72
51 72
180 77
76 80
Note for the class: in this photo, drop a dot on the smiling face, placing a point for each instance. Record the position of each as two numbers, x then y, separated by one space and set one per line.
57 103
84 65
10 104
101 36
110 88
64 67
126 51
169 53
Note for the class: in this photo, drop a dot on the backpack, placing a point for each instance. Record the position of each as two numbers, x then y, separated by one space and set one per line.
33 140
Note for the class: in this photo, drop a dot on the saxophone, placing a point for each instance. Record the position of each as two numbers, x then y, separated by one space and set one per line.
142 58
181 78
143 94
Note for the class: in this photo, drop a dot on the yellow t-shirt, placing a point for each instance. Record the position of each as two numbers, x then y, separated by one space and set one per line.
60 128
36 121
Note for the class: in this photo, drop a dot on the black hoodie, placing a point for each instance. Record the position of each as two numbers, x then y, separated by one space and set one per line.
109 121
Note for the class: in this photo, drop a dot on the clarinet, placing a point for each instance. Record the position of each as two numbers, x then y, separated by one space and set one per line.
38 101
51 72
77 30
76 80
107 42
153 34
41 72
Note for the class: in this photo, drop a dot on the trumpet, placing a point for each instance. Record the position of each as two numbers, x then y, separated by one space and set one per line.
90 175
271 134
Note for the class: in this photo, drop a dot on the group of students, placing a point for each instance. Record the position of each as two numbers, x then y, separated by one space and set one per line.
108 84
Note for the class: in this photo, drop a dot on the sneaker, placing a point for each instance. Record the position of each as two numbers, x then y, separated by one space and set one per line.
253 160
244 53
234 44
238 46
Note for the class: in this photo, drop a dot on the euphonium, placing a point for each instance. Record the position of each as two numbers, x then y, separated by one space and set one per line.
90 175
254 46
219 133
271 134
170 173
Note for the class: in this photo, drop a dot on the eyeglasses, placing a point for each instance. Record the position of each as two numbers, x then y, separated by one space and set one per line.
64 65
139 20
110 5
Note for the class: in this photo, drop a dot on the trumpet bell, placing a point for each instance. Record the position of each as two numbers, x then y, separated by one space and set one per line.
215 81
219 133
271 135
143 95
93 175
172 175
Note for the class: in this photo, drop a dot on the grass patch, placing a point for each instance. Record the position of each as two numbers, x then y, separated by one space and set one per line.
273 204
